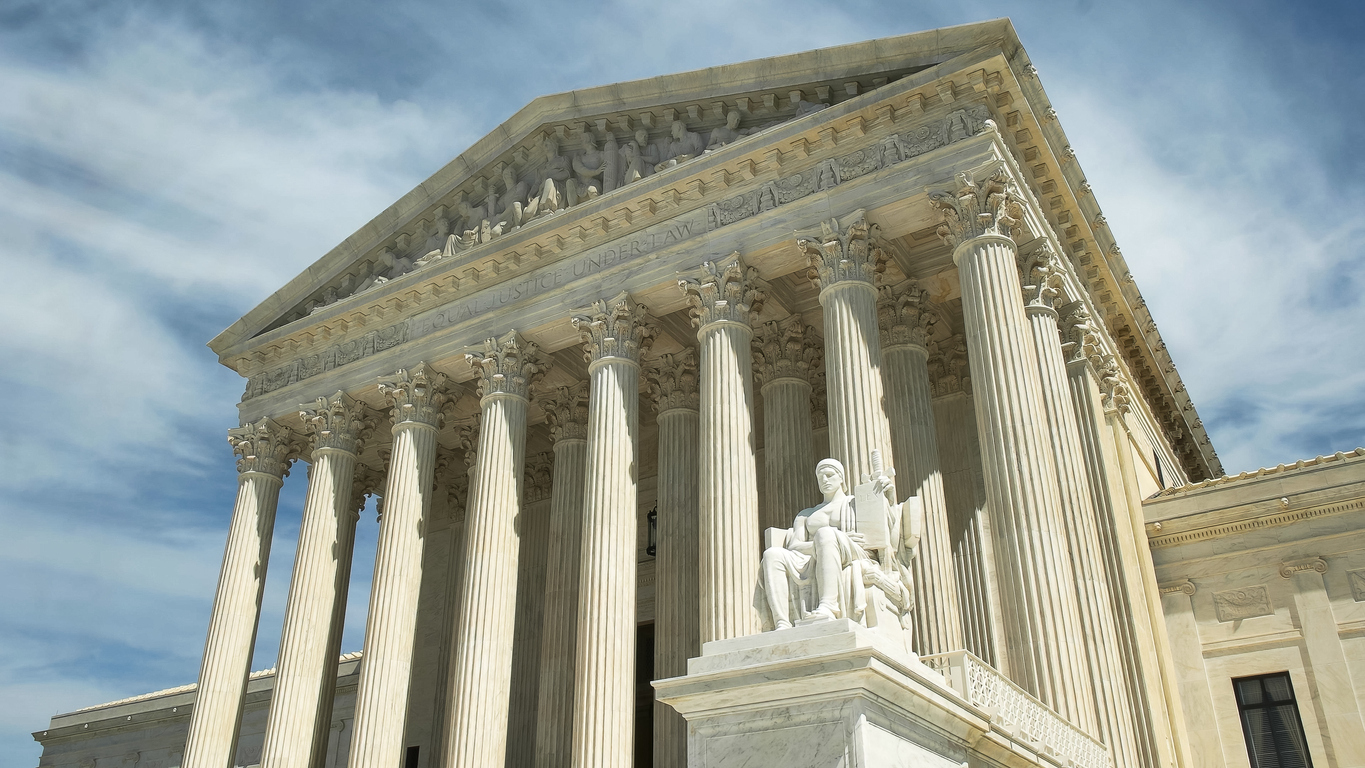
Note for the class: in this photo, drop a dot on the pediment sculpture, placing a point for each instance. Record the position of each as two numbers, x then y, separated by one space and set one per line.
846 557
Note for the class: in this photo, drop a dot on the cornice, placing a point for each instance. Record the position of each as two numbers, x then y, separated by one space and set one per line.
1159 540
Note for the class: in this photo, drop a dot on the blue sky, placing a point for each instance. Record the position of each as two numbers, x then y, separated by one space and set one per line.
164 166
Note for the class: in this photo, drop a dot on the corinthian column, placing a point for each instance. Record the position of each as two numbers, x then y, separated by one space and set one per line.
844 264
484 629
567 414
1021 476
723 295
786 354
534 527
905 322
312 621
1041 273
615 333
265 450
677 632
417 397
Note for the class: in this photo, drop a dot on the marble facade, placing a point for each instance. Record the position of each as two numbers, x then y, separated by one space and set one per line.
590 364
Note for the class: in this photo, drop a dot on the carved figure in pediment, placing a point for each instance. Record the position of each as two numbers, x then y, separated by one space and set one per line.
510 204
590 164
638 157
846 557
804 108
555 182
728 133
684 146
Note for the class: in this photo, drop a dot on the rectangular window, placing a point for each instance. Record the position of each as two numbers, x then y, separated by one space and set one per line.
1270 722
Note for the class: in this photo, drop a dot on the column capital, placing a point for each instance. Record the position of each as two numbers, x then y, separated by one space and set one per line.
467 436
264 447
509 365
1114 393
618 328
1080 339
1040 274
905 315
367 482
984 203
673 381
539 476
724 290
566 412
786 349
948 366
1293 567
338 422
416 395
842 251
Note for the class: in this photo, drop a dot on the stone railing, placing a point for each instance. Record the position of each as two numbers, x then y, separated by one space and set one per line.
1017 712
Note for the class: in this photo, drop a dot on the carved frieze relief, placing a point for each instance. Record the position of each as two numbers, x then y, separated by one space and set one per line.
1245 603
891 150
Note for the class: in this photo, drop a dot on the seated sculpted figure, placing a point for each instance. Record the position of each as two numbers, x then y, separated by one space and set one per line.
827 569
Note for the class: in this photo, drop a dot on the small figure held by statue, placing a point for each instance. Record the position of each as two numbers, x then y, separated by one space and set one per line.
846 557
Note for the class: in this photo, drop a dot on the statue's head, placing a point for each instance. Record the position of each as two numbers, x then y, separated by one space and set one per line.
679 128
642 136
829 475
732 119
589 144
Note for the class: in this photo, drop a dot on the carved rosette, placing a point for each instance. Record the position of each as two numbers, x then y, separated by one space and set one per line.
338 422
618 328
538 478
1040 273
566 412
841 251
507 366
1080 339
988 206
264 447
416 396
723 291
948 366
786 349
673 381
905 315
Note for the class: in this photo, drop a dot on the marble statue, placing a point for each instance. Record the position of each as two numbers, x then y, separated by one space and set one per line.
512 200
846 557
727 133
684 146
590 164
638 157
555 186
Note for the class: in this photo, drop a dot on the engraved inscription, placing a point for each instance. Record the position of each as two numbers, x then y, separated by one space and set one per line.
1235 604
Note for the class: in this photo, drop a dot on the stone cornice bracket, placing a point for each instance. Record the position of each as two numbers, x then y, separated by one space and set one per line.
842 251
416 396
723 291
566 412
339 423
618 329
948 366
985 203
673 381
1040 273
904 314
539 476
1173 587
264 447
1288 569
786 349
1080 338
507 366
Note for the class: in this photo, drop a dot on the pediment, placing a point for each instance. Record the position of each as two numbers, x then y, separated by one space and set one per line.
566 149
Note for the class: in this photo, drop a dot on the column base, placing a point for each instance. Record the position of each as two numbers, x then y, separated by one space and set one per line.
832 694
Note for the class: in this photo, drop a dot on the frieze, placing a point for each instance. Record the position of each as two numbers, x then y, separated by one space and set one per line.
891 150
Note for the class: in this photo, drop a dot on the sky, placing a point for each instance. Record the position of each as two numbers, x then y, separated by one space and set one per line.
165 166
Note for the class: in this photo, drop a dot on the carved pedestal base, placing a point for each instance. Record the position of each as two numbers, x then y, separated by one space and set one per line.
831 694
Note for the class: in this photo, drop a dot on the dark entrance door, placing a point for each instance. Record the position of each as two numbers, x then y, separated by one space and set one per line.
644 696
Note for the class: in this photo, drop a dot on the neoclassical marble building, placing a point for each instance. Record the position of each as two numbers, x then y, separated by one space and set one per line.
589 367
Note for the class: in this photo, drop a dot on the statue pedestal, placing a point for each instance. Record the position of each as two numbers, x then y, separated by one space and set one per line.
832 694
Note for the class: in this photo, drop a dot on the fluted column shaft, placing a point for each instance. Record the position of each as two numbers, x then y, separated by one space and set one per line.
677 613
723 293
1021 482
914 438
217 716
604 688
554 716
1120 561
786 354
1114 709
315 609
485 628
534 526
386 669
